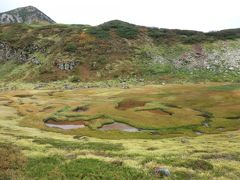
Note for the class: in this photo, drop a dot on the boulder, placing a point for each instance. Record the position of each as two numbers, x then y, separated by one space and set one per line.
162 171
35 60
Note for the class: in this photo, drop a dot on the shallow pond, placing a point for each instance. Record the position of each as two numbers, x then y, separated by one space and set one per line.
66 125
119 126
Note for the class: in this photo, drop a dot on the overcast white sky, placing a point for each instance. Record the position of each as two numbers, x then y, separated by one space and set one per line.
204 15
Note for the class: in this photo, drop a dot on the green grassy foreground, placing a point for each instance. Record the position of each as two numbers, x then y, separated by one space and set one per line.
191 129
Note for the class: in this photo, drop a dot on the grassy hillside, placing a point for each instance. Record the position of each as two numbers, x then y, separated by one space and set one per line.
116 50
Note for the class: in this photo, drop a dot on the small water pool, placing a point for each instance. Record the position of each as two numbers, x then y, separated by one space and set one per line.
119 126
66 125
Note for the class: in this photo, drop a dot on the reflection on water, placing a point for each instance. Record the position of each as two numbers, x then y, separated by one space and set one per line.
119 126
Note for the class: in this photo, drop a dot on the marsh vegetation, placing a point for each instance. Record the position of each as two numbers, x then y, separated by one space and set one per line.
192 131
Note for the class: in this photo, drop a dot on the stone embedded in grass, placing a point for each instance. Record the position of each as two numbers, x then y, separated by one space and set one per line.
162 171
206 124
124 85
155 133
198 133
184 140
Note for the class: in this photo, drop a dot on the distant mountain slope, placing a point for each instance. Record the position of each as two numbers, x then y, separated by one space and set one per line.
27 15
116 50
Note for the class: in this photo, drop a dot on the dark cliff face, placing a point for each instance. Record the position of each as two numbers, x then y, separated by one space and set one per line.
26 15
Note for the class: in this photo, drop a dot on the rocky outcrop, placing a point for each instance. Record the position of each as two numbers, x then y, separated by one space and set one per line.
193 59
217 59
225 58
26 55
27 15
67 66
9 53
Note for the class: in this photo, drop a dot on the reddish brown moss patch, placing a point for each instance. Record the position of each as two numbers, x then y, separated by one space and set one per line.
129 103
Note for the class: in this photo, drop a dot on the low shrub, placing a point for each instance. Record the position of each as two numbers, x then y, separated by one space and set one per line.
70 47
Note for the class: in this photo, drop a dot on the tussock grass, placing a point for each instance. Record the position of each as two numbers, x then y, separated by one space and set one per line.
85 168
60 144
12 161
229 87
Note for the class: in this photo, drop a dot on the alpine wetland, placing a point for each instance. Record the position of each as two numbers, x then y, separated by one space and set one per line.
117 100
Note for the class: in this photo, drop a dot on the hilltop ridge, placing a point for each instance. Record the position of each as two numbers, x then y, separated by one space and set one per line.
28 14
116 50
